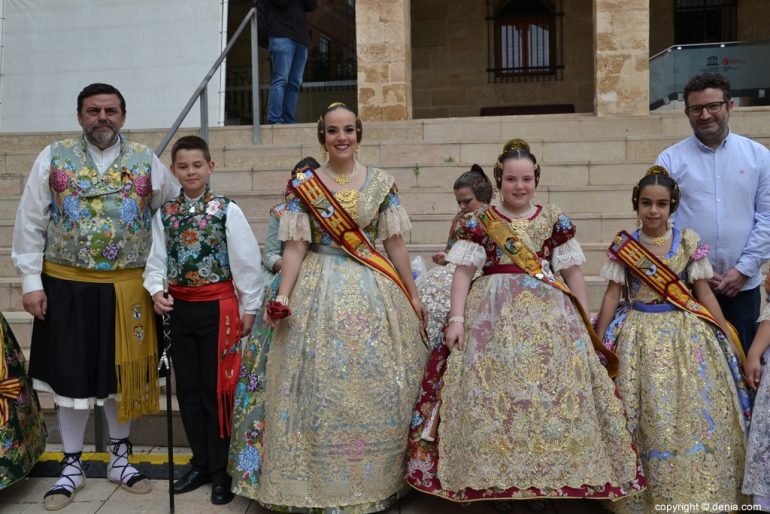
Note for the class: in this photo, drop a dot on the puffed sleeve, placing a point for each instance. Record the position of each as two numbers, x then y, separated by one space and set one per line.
469 249
294 225
393 220
566 249
699 266
613 270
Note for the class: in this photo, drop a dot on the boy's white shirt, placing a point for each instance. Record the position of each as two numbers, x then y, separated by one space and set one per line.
242 250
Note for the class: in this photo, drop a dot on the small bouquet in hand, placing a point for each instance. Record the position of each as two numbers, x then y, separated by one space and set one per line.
278 308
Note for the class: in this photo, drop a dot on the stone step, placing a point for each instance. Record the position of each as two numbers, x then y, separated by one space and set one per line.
429 229
673 124
604 199
443 175
548 150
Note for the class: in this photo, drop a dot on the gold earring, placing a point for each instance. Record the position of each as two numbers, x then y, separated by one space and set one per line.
323 149
669 224
357 153
638 223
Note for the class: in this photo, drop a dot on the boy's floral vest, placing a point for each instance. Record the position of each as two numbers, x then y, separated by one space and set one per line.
100 222
196 242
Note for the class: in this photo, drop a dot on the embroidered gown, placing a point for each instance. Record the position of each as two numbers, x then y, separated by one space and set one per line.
343 371
527 410
22 429
756 480
680 386
246 441
433 288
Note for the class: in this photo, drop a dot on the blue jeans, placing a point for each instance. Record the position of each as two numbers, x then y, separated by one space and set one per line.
289 58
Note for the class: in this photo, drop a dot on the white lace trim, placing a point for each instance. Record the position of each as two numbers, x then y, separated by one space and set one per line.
765 314
294 226
613 270
66 401
566 255
77 403
699 269
467 253
393 221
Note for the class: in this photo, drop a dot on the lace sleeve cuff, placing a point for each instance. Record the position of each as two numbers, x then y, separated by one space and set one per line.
697 270
614 271
393 221
467 253
566 255
294 226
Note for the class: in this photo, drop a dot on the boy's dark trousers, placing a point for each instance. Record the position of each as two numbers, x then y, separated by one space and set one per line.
194 329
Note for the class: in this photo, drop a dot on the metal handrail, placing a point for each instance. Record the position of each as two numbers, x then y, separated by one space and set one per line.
201 90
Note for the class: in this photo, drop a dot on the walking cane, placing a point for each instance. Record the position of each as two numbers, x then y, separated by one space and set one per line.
165 364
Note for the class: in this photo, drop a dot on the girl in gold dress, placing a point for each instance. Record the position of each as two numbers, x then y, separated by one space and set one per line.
679 379
344 367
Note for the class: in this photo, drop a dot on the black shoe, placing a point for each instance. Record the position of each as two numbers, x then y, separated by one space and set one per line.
190 481
220 491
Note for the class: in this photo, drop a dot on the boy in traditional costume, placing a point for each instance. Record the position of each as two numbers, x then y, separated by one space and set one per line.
203 246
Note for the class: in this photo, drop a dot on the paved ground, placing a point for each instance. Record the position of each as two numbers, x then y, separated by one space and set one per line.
100 495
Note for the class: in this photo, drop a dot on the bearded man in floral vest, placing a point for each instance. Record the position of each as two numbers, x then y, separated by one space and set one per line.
82 235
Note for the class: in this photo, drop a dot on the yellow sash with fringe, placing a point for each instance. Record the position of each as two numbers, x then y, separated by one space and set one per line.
136 345
342 228
525 258
646 266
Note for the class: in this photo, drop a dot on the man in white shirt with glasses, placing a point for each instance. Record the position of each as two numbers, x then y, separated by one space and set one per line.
725 184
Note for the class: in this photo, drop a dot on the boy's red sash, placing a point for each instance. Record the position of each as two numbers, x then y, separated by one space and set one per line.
655 273
228 342
341 226
526 259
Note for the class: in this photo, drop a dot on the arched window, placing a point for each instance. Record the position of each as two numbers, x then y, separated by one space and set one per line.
525 37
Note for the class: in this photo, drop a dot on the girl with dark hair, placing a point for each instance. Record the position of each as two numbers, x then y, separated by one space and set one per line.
679 377
472 190
523 405
346 356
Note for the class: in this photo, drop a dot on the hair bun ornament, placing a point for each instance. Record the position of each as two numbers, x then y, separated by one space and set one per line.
657 170
516 144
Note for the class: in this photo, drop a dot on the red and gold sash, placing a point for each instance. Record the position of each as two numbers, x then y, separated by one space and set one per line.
10 387
655 273
526 259
341 227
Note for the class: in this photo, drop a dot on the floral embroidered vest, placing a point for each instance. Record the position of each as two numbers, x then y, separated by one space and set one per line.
196 242
100 222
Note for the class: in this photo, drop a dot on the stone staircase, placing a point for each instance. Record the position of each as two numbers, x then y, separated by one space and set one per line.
589 166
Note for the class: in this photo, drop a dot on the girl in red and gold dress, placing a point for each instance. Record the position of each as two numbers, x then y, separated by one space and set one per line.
527 410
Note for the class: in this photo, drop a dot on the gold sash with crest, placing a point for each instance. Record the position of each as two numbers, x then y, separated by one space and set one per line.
525 258
336 221
655 273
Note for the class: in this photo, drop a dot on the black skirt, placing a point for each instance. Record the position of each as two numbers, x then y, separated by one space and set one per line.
73 350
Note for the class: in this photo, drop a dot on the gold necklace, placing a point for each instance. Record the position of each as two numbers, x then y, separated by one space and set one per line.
519 223
341 178
655 240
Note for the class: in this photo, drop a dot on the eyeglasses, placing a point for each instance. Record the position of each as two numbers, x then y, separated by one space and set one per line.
713 108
